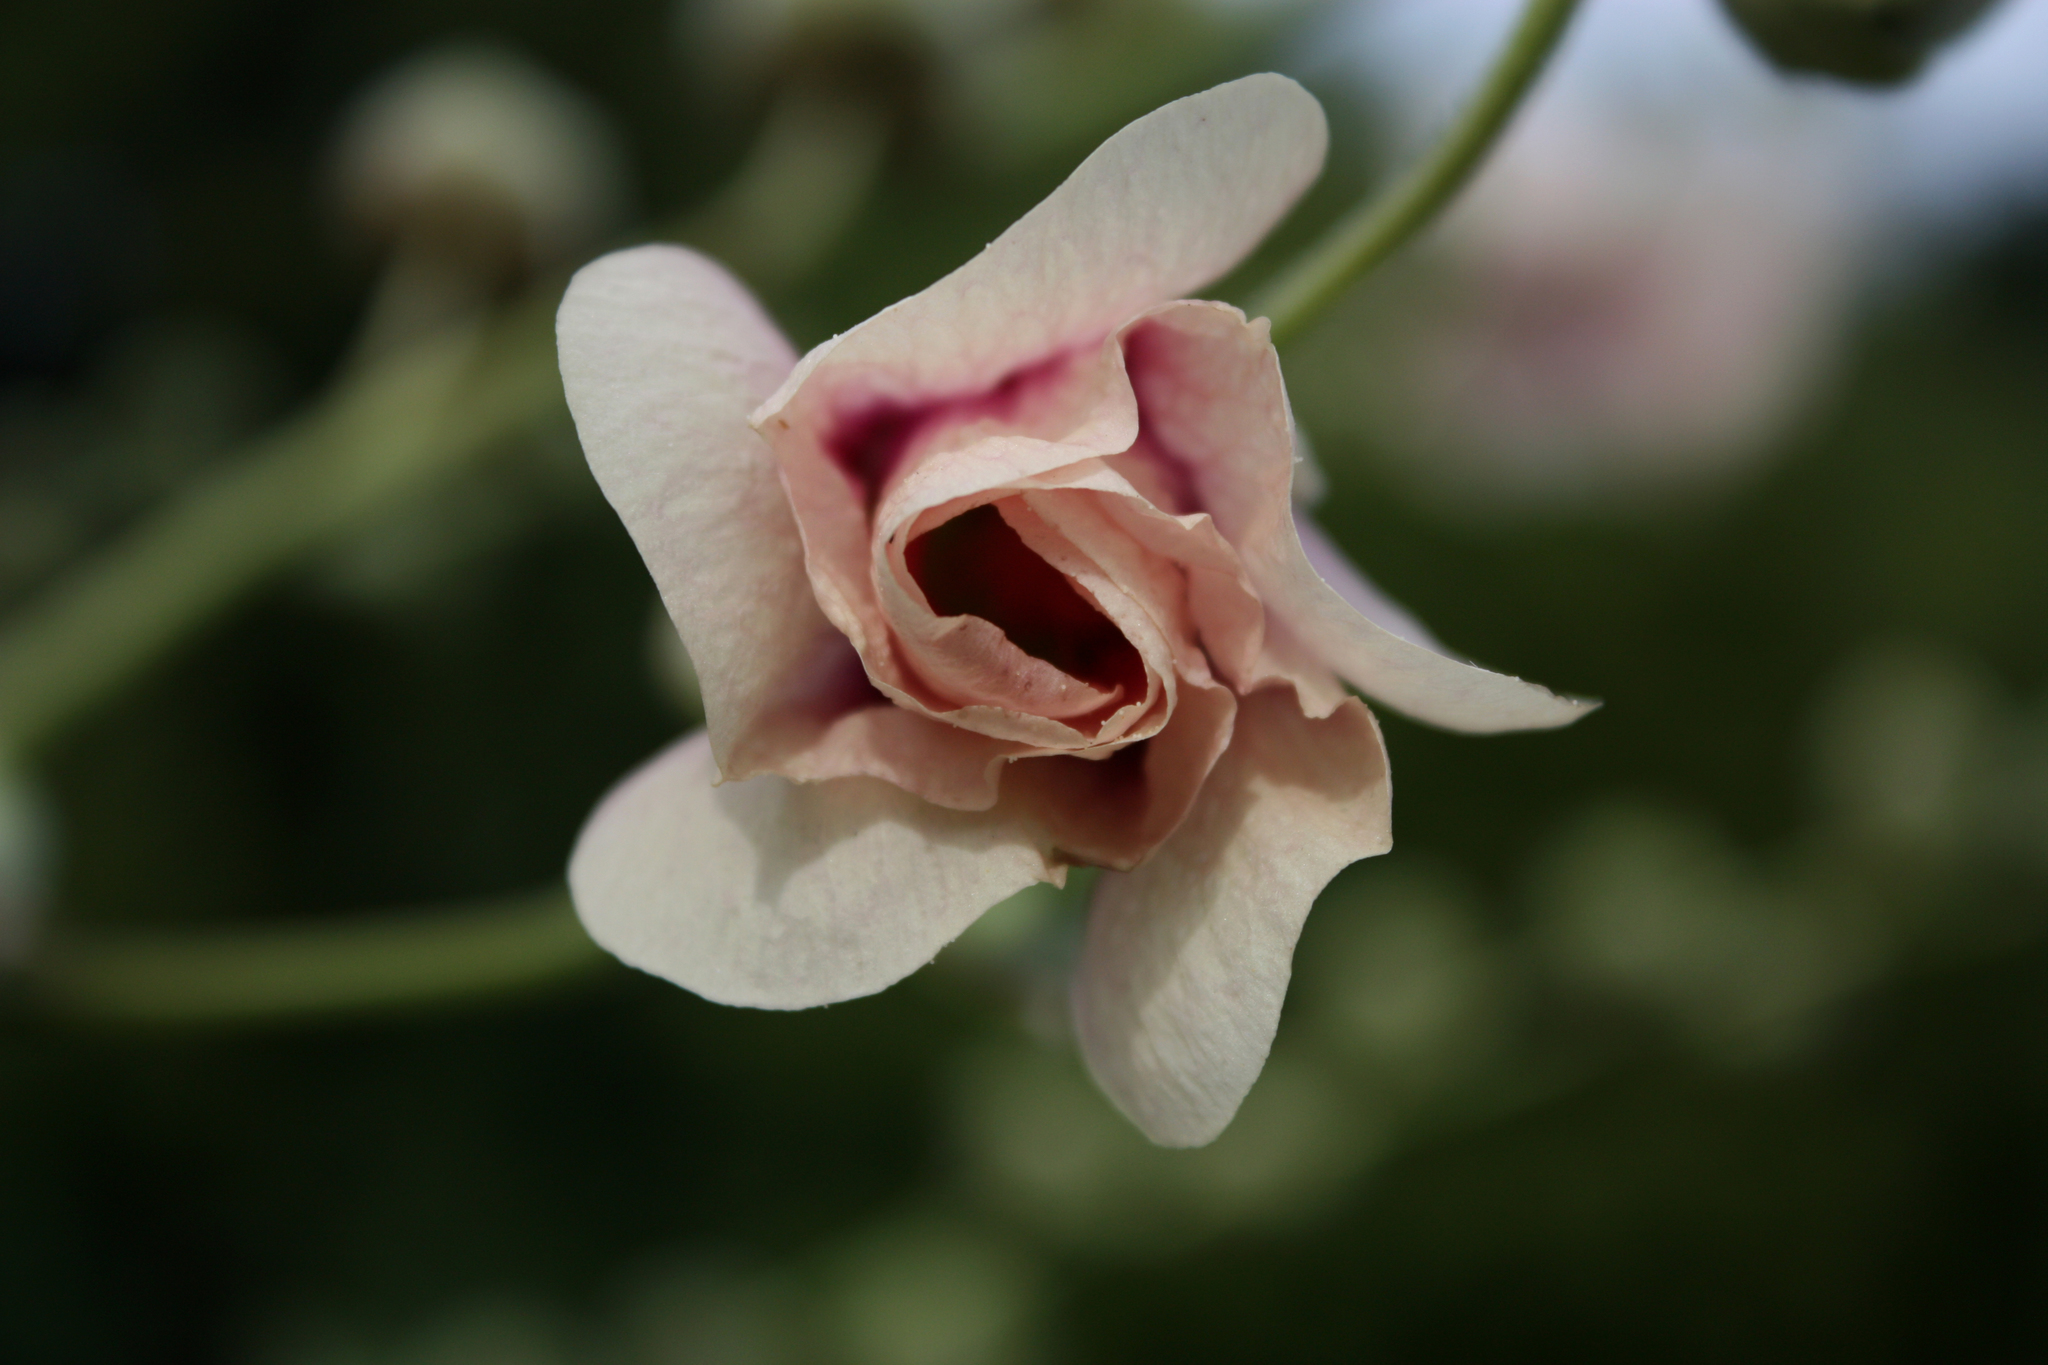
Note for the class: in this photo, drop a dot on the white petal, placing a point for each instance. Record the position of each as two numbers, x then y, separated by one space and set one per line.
1209 383
781 894
1178 991
1391 667
663 356
1354 587
1165 206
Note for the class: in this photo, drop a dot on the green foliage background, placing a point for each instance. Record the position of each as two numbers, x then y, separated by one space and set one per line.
1661 1038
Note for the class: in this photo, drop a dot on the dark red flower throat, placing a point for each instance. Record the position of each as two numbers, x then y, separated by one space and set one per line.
976 565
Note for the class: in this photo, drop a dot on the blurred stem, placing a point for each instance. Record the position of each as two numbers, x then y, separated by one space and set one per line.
424 288
806 176
391 427
285 972
1373 231
408 418
397 419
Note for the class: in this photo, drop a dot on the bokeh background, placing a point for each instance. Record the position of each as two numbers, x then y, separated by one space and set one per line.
1713 1028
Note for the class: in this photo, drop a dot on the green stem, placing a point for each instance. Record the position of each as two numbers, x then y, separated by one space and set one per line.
388 429
1378 227
282 972
409 419
386 432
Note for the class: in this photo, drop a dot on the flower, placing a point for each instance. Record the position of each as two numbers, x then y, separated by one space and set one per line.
1004 580
1617 321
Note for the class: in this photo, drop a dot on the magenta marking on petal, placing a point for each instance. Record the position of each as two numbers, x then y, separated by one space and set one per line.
870 445
869 442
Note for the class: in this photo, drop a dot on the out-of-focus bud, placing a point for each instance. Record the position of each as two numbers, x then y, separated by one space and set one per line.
1870 42
474 153
878 51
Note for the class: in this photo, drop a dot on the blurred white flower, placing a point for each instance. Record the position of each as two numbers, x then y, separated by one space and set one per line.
1627 312
1649 280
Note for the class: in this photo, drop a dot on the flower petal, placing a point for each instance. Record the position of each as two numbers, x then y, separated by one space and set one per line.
1068 411
1166 205
1114 811
663 356
1209 389
942 763
1178 991
781 894
1402 673
1354 587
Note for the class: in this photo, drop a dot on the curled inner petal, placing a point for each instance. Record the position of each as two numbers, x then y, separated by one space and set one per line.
976 565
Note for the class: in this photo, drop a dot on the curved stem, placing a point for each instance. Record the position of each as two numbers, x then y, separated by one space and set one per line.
387 430
299 971
1379 226
408 419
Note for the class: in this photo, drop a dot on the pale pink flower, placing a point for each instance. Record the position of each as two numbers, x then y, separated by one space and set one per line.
1003 581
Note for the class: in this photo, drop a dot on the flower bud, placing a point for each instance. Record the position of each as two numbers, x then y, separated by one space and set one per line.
877 49
473 151
1869 42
